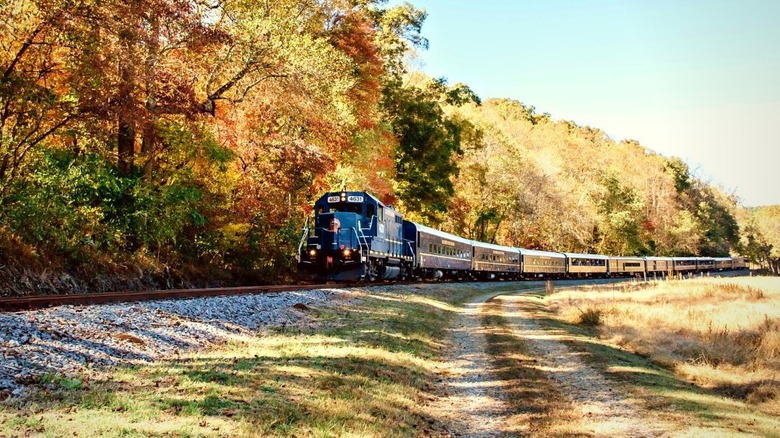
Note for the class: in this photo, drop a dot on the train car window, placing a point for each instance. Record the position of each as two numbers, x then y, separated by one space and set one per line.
370 210
381 212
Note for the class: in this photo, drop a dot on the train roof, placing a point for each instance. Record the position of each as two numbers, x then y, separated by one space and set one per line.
535 252
435 232
494 246
627 258
585 256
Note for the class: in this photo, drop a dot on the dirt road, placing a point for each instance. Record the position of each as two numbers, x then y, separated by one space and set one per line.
506 375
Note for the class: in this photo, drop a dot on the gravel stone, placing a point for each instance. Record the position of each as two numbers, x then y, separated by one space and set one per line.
69 341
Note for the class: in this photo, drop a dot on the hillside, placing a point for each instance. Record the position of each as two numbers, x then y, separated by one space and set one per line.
539 183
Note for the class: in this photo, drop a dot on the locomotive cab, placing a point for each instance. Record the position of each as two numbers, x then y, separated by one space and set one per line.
353 236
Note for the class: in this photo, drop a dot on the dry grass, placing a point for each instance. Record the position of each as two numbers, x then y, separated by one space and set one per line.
722 333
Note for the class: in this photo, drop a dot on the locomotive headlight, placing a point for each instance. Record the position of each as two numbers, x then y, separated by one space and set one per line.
312 252
347 252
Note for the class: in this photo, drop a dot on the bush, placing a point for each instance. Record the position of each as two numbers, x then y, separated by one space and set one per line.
590 317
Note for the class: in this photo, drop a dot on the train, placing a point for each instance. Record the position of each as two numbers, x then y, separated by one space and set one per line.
353 236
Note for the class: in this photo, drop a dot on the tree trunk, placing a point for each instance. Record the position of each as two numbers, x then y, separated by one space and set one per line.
126 131
125 146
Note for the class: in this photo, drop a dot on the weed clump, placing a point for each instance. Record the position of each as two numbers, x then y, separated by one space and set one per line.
590 317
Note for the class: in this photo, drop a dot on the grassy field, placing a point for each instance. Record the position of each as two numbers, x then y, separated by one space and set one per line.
367 369
721 334
372 365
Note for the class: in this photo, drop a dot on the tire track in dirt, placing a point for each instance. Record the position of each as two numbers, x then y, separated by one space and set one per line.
607 410
478 400
472 403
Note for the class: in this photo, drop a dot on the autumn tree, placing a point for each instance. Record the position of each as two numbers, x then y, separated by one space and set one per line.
540 183
196 132
36 99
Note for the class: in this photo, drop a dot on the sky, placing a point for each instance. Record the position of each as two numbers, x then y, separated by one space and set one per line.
696 79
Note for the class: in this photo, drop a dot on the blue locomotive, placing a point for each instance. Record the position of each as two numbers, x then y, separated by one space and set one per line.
354 236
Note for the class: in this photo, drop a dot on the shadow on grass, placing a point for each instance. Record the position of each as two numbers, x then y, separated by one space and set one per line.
265 395
530 394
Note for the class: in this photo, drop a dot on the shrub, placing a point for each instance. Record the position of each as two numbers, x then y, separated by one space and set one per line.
590 317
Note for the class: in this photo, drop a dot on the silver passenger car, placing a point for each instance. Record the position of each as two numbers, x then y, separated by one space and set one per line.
659 266
542 264
586 265
620 266
491 261
439 254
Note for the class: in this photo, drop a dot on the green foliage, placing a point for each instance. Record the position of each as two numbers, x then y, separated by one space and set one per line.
398 31
620 209
429 143
76 202
762 237
680 172
77 205
68 204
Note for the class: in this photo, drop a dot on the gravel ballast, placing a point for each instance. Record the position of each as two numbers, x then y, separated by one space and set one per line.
69 341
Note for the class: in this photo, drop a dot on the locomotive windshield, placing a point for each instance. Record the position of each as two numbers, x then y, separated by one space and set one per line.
342 208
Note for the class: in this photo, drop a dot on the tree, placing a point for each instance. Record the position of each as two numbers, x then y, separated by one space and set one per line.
762 235
429 142
36 99
620 209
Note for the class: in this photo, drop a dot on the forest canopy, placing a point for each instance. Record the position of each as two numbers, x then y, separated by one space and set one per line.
169 142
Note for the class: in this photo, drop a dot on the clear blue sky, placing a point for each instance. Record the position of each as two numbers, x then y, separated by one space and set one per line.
698 79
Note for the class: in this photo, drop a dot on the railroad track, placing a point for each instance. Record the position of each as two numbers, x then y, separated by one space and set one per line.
12 304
